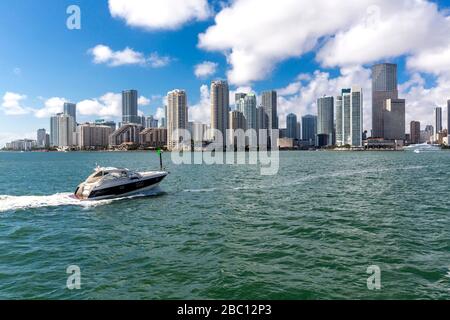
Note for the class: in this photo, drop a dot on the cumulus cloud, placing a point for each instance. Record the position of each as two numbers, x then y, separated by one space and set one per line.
105 55
352 32
300 96
12 104
51 107
159 14
201 112
108 105
435 61
205 69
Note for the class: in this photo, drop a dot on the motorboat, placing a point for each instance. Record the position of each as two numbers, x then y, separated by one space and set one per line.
108 183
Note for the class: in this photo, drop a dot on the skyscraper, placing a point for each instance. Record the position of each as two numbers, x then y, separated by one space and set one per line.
220 107
177 117
262 121
325 118
247 106
394 119
61 131
70 109
41 138
448 118
437 120
238 96
349 117
414 132
309 129
130 107
270 105
291 125
384 86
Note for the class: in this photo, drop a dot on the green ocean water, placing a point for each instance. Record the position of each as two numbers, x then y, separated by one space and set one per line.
226 232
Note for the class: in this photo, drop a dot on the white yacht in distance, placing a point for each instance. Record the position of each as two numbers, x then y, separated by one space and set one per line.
107 183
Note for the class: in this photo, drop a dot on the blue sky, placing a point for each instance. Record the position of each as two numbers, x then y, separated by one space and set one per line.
255 46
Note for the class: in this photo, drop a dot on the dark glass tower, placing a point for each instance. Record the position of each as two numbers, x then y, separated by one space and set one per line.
384 86
130 107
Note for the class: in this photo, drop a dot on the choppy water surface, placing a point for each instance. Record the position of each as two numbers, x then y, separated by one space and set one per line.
226 232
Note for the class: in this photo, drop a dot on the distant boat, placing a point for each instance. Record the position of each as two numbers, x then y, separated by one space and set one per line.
417 151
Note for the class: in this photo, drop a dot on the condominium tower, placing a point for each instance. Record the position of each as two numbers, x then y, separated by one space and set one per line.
177 117
220 107
325 118
349 117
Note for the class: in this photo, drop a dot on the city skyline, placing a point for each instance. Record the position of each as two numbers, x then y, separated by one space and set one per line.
32 89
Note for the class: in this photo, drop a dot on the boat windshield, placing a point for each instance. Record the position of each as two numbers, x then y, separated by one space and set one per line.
95 177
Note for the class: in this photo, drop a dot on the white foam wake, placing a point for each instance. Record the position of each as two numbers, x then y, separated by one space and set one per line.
12 203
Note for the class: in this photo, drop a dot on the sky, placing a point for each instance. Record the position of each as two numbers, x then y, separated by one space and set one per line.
300 48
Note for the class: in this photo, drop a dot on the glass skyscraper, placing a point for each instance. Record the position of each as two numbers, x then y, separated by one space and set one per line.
309 128
349 117
325 119
384 86
291 125
130 107
247 106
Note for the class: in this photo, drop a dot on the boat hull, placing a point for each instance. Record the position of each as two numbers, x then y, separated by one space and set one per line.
123 190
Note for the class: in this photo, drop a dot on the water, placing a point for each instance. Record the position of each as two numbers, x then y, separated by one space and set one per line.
226 232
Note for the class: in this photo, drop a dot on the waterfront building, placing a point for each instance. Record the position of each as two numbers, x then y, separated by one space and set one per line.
448 118
237 121
238 96
437 122
414 132
130 107
429 133
394 119
198 131
325 118
349 117
42 141
269 101
93 136
151 122
62 132
21 145
262 121
309 129
126 134
70 109
153 137
384 86
247 106
291 126
220 107
177 118
299 131
111 124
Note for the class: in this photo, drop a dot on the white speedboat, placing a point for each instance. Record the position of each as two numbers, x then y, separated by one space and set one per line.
107 183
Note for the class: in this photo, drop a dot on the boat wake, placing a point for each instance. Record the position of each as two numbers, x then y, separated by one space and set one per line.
15 203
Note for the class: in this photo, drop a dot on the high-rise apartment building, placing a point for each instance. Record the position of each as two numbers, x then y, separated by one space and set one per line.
177 118
384 86
309 129
70 109
41 138
325 118
220 107
247 106
130 107
414 132
270 105
349 117
291 126
394 119
438 120
93 135
62 131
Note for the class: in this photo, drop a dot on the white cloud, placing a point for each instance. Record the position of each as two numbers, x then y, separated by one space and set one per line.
159 114
143 101
159 14
389 29
201 112
300 97
105 55
51 107
352 32
435 61
108 106
205 69
13 104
